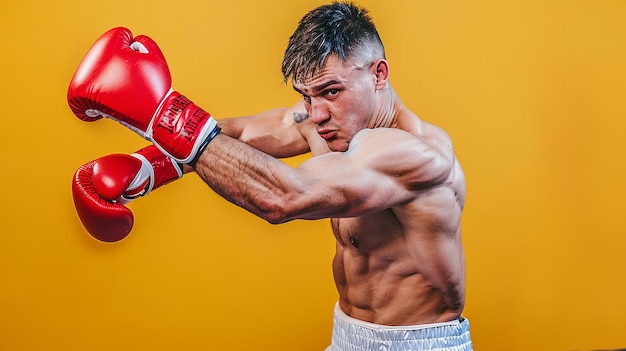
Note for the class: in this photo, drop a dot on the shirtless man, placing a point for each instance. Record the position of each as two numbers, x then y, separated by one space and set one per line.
388 181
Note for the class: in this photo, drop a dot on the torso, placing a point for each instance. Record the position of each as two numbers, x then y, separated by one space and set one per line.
404 265
398 272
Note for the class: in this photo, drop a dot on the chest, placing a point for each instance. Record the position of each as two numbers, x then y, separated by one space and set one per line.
367 233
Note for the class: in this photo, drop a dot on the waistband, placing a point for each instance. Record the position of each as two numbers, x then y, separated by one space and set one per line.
353 321
350 334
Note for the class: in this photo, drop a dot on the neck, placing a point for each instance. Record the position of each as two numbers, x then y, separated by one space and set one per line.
389 105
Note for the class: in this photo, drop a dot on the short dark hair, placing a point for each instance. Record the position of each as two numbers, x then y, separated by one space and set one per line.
339 28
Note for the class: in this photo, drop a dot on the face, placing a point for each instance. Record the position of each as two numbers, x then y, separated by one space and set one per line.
340 100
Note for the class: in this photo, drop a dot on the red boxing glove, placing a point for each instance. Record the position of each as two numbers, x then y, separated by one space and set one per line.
127 79
102 187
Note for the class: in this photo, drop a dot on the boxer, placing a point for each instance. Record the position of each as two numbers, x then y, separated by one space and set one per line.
388 181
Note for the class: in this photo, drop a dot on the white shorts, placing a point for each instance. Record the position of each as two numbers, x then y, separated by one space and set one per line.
350 334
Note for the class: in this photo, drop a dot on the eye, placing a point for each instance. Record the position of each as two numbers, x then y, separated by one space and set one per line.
332 92
306 98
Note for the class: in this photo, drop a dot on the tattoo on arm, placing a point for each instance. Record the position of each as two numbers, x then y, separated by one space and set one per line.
299 117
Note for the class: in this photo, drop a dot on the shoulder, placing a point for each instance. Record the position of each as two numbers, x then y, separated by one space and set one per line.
418 158
427 138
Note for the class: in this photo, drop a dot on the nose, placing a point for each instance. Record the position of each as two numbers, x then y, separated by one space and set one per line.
317 112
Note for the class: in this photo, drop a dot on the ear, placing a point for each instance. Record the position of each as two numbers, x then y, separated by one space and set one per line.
381 71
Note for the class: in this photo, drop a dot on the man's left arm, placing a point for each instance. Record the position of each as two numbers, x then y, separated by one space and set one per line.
381 169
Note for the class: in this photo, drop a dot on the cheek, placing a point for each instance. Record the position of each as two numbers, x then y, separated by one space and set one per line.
355 102
353 108
360 106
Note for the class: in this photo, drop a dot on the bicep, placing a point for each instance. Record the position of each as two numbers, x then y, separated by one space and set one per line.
381 170
274 132
345 189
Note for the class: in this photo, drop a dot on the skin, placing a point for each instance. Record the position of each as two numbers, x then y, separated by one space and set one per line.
389 183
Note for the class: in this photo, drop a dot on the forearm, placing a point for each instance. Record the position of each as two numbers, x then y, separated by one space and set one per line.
274 132
247 177
232 127
258 134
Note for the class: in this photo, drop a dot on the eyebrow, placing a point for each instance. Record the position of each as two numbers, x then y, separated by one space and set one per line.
320 87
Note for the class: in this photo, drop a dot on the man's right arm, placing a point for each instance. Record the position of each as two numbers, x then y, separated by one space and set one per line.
276 132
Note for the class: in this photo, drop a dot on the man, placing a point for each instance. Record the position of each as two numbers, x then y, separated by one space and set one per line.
389 182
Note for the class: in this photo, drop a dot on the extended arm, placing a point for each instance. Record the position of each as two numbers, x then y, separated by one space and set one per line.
364 179
126 79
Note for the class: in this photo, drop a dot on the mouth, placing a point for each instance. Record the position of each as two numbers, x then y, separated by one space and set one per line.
327 133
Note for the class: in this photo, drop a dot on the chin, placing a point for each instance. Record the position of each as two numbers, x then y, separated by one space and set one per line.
337 146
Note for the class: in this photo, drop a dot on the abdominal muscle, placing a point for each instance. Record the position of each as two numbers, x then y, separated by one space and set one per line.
392 274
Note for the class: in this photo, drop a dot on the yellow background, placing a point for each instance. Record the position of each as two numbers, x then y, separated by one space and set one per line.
532 93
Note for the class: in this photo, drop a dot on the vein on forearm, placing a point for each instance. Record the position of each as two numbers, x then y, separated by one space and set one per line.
247 177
